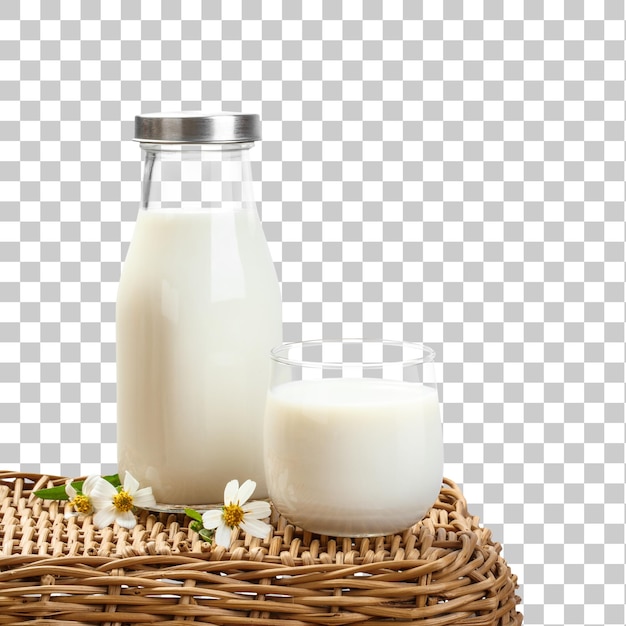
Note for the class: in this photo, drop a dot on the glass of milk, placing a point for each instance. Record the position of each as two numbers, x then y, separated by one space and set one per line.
353 435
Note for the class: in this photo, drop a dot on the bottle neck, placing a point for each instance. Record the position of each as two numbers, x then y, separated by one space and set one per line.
196 177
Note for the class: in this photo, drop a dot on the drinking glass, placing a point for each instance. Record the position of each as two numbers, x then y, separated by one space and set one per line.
353 436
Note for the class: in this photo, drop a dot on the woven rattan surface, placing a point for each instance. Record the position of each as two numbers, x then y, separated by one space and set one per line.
58 571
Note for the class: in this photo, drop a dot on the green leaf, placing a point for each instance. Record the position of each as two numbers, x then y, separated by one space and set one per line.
197 525
59 493
54 493
207 534
114 479
193 514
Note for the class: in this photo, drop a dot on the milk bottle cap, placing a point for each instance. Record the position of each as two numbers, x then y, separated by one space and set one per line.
197 127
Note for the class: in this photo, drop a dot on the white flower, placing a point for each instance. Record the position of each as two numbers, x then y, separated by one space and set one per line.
81 502
237 514
112 505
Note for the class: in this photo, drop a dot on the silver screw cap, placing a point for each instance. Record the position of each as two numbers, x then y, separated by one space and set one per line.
197 127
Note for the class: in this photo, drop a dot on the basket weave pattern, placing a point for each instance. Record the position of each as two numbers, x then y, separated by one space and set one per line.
58 571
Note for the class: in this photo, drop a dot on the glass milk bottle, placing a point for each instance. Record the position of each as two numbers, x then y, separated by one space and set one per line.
198 311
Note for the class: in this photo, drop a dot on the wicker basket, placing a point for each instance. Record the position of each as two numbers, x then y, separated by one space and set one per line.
444 570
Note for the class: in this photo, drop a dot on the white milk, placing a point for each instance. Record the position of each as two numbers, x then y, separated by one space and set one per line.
353 457
198 311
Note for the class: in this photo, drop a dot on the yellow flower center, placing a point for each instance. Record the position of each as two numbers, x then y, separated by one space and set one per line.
81 503
233 515
123 501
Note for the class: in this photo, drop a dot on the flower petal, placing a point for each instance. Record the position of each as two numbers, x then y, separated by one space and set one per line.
70 491
257 509
212 519
255 527
104 517
102 494
230 492
103 488
223 535
131 484
126 519
144 498
89 484
245 491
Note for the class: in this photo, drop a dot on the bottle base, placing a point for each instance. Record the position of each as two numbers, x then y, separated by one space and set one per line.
179 509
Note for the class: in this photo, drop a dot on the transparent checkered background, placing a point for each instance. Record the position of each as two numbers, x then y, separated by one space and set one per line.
440 171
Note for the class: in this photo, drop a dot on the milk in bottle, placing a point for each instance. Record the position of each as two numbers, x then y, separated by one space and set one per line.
198 310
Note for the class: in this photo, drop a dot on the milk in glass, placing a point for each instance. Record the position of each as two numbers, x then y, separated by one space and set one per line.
353 457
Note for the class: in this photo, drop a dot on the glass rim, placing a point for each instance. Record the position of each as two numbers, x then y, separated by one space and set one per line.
428 354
